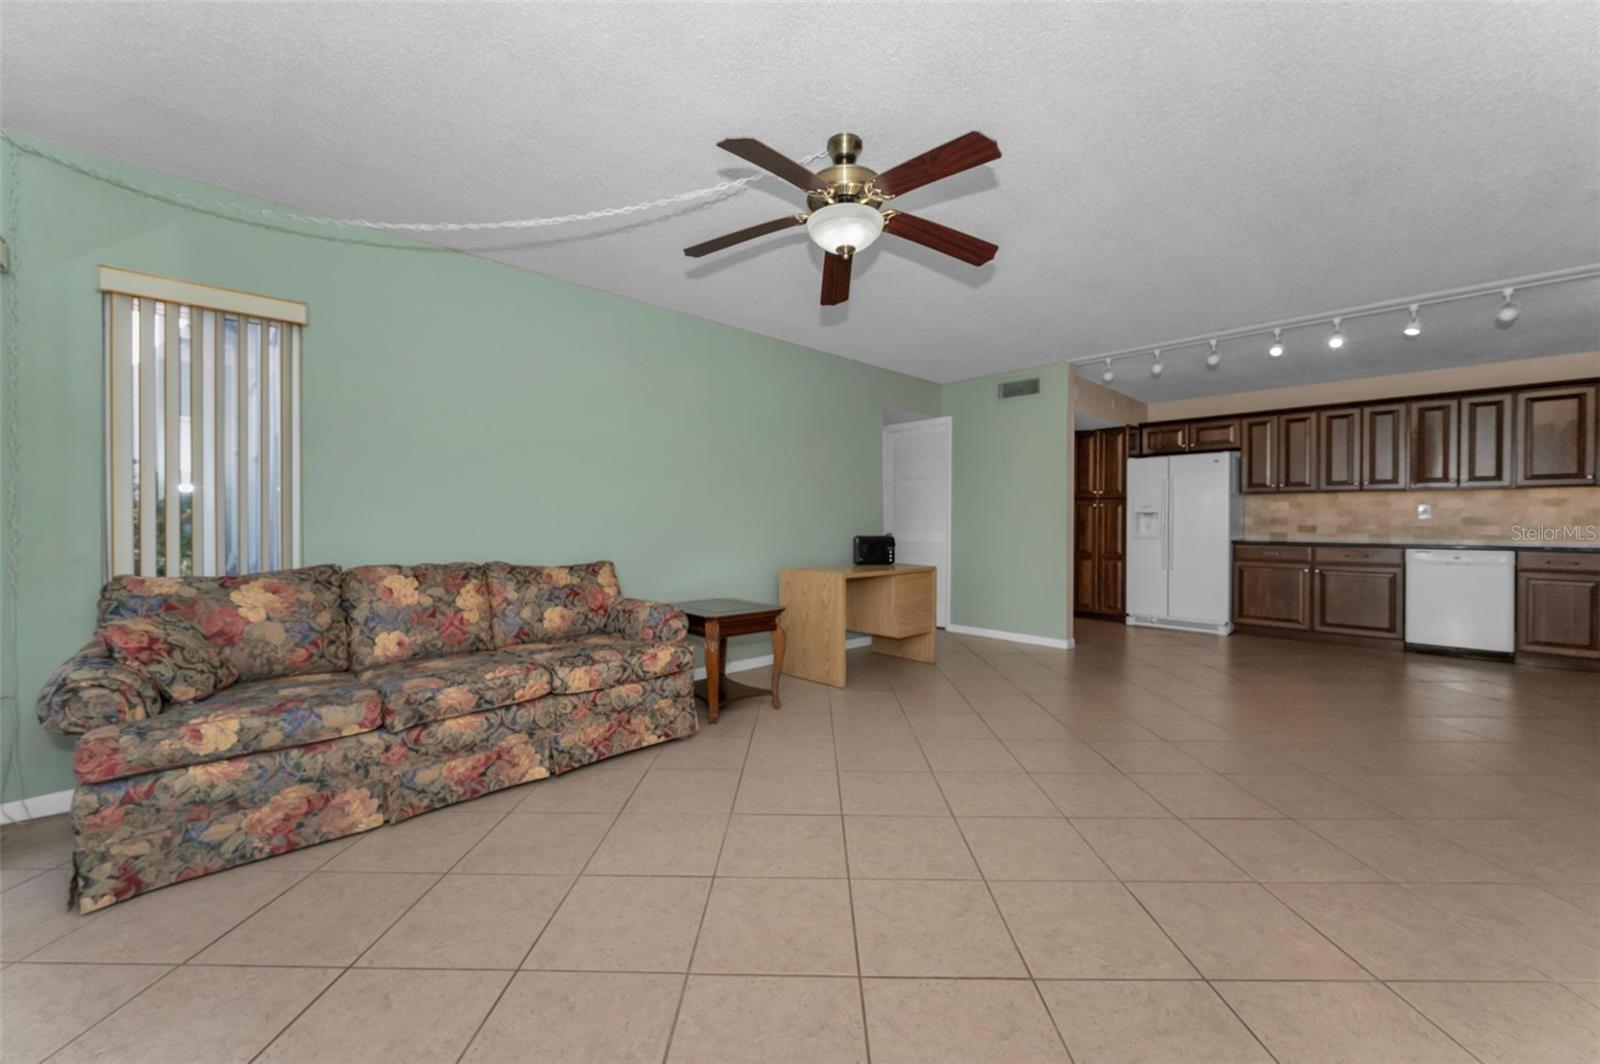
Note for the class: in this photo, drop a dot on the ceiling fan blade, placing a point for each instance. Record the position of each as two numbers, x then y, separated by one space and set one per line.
772 161
963 153
727 240
835 279
953 242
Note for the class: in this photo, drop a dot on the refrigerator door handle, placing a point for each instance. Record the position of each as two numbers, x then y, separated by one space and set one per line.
1171 524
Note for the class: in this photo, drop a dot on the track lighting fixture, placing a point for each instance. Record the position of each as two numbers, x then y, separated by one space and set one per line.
1336 338
1506 316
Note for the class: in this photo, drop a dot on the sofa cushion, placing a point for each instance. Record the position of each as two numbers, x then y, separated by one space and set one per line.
593 662
549 714
535 603
172 652
431 689
408 612
267 624
249 718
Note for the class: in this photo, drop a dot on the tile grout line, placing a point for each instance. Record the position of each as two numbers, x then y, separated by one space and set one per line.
476 1031
711 886
849 885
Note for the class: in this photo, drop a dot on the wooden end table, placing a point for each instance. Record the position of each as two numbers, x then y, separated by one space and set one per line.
718 620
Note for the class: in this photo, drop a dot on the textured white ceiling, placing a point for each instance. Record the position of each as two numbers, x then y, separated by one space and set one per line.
1169 169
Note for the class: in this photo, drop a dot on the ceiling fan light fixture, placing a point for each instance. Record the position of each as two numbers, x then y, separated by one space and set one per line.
844 225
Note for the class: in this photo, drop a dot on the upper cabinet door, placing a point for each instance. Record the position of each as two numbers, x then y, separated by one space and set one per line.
1339 449
1086 464
1113 461
1297 452
1220 434
1383 447
1259 466
1166 439
1433 442
1486 441
1556 436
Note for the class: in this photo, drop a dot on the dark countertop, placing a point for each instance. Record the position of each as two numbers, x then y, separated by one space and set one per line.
1424 544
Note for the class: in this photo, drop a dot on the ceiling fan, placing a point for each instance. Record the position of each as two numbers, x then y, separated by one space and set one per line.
846 203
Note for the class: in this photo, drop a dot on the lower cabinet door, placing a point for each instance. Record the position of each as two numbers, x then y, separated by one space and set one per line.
1275 595
1085 554
1112 602
1358 600
1559 613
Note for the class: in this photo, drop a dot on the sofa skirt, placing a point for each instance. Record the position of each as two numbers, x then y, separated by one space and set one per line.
149 831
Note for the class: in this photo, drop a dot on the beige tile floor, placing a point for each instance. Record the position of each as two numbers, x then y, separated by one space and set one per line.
1158 847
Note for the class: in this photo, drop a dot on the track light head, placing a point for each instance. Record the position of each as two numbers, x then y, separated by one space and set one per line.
1156 367
1275 349
1507 315
1213 360
1110 374
1413 327
1336 338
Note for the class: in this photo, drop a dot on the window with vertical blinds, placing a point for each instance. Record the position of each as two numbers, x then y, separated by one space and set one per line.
202 428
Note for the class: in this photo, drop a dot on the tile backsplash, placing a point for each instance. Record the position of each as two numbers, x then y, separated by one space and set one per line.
1546 516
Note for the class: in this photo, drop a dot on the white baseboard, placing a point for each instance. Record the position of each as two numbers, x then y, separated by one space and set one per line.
1011 637
37 806
766 659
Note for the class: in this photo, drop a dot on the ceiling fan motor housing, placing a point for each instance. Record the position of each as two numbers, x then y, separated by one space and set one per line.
844 181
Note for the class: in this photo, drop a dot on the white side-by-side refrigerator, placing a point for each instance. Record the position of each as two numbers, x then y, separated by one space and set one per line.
1184 512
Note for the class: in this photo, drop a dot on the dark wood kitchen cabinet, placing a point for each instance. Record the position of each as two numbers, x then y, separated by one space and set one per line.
1558 605
1556 436
1297 451
1358 591
1383 447
1339 449
1171 438
1486 440
1101 468
1272 586
1433 425
1218 434
1259 461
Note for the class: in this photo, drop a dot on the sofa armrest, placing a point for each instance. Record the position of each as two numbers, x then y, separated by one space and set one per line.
650 622
91 690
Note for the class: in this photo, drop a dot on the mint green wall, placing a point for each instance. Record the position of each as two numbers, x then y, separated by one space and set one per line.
453 409
1010 518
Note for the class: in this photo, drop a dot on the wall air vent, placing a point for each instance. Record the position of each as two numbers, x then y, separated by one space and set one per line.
1018 389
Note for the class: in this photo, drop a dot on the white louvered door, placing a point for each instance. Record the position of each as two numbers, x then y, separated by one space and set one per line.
916 498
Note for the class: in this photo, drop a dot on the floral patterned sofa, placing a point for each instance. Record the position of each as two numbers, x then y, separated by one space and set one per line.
228 719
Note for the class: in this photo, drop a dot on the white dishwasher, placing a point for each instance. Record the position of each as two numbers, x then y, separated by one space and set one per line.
1462 599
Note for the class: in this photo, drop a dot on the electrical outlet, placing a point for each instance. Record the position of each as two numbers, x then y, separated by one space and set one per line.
1424 512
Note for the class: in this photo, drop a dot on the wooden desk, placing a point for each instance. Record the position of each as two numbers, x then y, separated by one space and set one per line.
892 603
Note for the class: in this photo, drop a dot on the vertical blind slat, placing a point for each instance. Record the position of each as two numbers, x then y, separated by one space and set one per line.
171 413
285 449
121 424
204 412
241 427
147 438
264 444
292 469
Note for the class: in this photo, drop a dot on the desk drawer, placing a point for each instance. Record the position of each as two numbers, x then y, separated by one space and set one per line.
897 606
